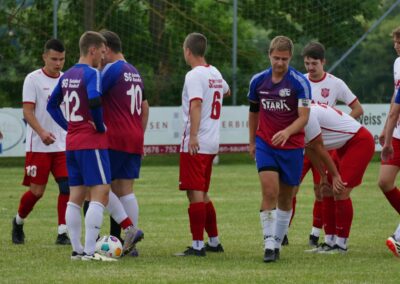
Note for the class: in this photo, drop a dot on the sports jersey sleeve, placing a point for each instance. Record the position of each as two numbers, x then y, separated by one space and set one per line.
53 106
345 94
303 87
252 94
110 75
312 129
397 97
194 86
225 86
93 88
29 90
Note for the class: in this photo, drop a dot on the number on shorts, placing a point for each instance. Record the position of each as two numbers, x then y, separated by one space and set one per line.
31 171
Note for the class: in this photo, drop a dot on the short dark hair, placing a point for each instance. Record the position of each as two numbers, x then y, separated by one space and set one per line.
88 39
54 44
396 32
314 50
197 44
113 40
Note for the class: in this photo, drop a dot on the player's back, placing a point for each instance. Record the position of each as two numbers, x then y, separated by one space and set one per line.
207 84
76 85
122 101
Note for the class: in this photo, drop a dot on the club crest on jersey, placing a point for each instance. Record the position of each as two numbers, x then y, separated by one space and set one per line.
324 92
284 92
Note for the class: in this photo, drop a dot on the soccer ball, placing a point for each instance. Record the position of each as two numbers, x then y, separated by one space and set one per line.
109 246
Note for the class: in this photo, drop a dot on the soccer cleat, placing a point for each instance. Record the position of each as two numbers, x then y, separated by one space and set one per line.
313 241
76 256
96 257
393 245
192 252
134 252
218 248
321 248
277 254
285 241
337 250
270 255
62 239
18 236
132 237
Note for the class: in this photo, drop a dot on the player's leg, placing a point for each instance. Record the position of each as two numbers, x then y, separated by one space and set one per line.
37 170
387 179
317 211
393 242
60 173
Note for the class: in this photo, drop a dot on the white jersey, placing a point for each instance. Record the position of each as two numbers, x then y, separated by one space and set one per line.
329 90
206 84
335 126
37 89
396 75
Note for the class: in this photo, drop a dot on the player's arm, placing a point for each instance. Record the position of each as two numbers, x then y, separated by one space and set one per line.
93 88
28 110
296 126
320 159
145 114
254 111
356 109
195 117
382 135
391 122
53 107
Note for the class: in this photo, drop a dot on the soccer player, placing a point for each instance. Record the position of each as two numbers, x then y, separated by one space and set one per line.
45 143
202 96
326 89
279 100
390 164
87 155
126 113
354 147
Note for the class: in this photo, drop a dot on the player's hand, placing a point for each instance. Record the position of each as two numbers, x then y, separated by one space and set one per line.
381 138
387 152
338 185
48 138
280 138
194 146
252 150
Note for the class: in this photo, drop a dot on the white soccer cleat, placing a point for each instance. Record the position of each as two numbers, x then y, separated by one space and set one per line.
97 257
321 248
393 245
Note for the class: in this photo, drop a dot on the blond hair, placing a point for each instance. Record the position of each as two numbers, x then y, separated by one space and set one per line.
281 43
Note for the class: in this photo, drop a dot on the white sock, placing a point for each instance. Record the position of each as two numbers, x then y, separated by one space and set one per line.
131 206
93 222
74 225
62 229
330 240
342 242
397 234
116 208
19 220
198 245
268 220
213 241
281 226
315 231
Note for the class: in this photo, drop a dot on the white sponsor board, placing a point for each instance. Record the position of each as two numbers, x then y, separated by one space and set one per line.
163 133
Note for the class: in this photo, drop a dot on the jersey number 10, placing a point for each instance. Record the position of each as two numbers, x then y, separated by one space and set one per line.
136 94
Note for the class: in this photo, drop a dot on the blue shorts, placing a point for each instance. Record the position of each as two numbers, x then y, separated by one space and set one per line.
88 167
124 165
287 162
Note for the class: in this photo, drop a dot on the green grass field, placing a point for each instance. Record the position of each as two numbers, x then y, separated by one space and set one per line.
163 217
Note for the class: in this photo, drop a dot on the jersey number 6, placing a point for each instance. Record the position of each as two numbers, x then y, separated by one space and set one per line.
216 106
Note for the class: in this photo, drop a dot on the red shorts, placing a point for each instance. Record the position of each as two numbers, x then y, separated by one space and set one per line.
395 161
39 165
307 165
195 171
355 156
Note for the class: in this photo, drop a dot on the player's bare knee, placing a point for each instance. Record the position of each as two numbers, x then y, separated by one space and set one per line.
385 185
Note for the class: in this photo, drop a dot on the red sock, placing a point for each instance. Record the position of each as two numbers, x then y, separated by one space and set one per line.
28 200
197 219
393 196
294 201
317 214
328 215
344 217
211 220
126 223
62 207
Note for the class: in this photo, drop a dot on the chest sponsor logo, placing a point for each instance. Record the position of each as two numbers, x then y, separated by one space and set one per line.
325 92
283 93
275 105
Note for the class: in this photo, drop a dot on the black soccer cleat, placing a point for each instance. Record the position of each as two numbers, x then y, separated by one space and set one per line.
313 241
18 236
218 248
269 255
285 241
62 239
277 254
192 252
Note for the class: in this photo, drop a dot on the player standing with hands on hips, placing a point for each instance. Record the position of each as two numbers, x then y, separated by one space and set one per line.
279 100
202 97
